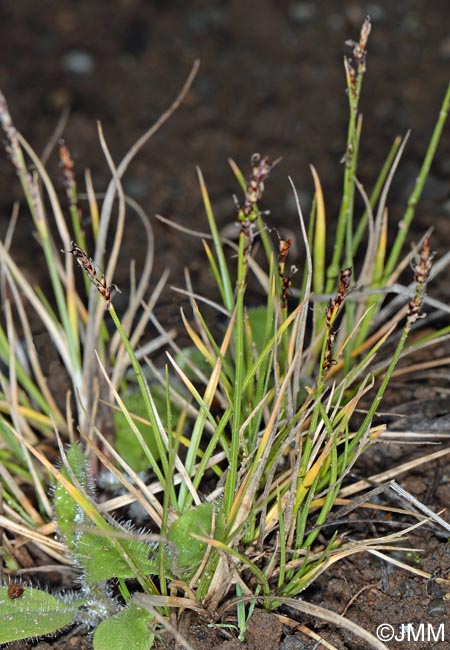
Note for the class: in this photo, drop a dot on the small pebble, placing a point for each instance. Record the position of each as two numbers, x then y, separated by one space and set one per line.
293 642
302 12
437 608
78 62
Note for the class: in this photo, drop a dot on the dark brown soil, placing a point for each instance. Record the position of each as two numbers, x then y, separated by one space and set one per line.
271 80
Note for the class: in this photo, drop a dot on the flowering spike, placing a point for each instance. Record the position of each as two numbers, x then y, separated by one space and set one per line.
333 308
93 273
422 268
261 168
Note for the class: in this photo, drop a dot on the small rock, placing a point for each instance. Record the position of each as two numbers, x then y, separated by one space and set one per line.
293 642
437 608
263 630
78 62
302 12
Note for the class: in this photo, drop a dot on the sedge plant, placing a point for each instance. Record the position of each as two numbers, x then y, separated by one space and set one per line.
246 437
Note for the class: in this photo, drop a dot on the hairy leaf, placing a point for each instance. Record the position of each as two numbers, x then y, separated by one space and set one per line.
32 613
128 630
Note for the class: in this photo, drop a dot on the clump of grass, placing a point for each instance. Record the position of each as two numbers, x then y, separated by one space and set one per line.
247 436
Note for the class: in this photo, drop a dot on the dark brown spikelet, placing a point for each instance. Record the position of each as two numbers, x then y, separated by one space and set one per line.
15 591
65 158
333 308
328 360
335 303
360 48
247 214
86 263
286 278
283 250
359 55
422 268
67 166
90 268
70 185
12 147
261 168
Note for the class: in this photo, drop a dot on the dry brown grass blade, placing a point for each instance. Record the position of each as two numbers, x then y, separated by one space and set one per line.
301 323
401 565
139 491
122 360
10 482
123 166
318 612
45 542
33 358
176 397
156 487
55 136
246 494
381 211
161 432
145 601
199 298
137 293
299 627
347 549
389 474
424 365
180 602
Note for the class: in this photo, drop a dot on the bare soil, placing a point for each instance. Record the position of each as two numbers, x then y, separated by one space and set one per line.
271 80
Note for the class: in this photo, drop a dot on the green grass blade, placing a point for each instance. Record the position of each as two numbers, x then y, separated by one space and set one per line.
418 187
225 285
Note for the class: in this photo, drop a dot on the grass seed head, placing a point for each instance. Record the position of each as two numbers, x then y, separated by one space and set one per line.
422 267
93 273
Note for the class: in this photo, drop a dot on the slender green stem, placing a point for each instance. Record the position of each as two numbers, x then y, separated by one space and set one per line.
382 388
375 194
346 210
225 285
230 485
162 475
417 191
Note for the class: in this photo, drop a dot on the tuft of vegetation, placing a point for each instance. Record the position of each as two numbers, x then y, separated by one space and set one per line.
238 449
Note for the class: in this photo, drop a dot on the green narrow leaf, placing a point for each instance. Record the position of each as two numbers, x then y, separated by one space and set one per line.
127 445
259 317
320 230
375 194
418 187
225 286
